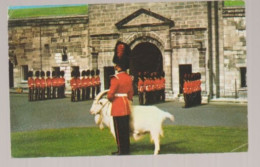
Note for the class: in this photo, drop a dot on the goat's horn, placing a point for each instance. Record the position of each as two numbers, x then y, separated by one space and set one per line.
99 96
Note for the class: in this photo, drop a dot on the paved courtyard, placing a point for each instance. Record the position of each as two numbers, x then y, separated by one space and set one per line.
61 113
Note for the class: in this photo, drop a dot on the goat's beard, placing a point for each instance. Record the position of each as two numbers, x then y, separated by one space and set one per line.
98 121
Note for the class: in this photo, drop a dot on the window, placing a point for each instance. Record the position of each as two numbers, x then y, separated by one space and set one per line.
24 71
243 77
64 54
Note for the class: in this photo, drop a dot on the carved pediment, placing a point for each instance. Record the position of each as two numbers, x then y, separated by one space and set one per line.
143 17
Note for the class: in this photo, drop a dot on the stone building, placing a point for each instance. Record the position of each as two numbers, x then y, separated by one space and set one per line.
177 37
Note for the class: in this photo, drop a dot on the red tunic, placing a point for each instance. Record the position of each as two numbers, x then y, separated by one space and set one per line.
43 83
78 81
54 82
93 81
30 83
84 82
185 87
97 80
147 85
37 82
49 82
88 80
73 84
140 86
120 92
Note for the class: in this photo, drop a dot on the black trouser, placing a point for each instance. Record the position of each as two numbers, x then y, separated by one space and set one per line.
87 92
97 89
73 94
42 93
83 93
37 93
141 98
78 94
48 92
54 90
121 125
31 92
93 92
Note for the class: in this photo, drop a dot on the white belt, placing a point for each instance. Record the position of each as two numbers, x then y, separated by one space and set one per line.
120 95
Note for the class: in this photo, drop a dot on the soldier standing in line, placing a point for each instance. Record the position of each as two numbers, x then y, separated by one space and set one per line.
121 94
48 82
163 86
30 86
54 85
62 80
73 85
192 99
88 80
93 84
188 95
59 83
37 85
43 85
140 87
157 87
147 89
98 83
199 88
78 85
185 90
83 85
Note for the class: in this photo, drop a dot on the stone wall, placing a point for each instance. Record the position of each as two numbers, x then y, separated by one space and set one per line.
39 43
206 35
234 50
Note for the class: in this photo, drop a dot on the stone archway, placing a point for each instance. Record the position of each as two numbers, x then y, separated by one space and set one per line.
146 57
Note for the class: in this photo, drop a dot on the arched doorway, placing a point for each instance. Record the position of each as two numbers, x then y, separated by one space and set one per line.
145 57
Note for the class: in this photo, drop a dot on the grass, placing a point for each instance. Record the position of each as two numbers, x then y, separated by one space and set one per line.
46 12
93 142
230 3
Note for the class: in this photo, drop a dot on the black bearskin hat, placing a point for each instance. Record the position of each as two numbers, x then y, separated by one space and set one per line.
62 73
97 72
92 72
83 73
53 74
87 72
42 73
73 73
30 74
122 54
37 73
77 74
48 73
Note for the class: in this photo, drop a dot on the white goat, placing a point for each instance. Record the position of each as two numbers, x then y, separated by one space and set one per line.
143 119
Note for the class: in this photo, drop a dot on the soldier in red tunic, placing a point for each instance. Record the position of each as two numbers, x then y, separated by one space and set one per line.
121 94
83 85
78 81
30 85
88 80
37 85
97 80
140 87
73 85
43 86
93 84
54 85
49 84
62 82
